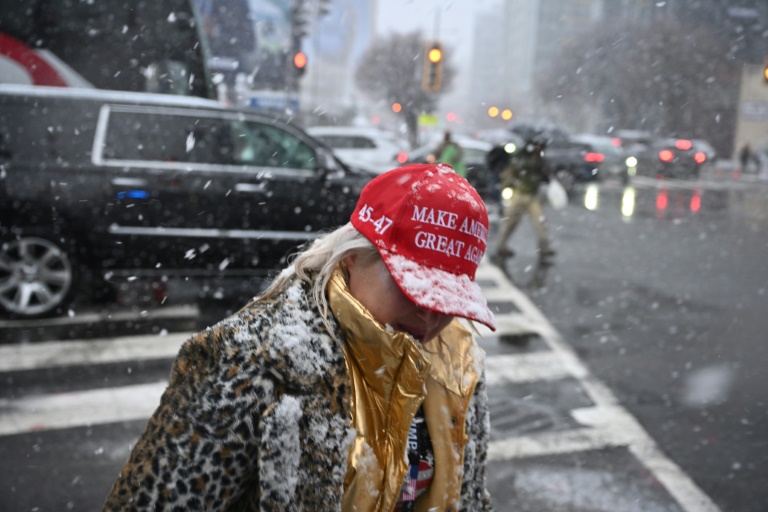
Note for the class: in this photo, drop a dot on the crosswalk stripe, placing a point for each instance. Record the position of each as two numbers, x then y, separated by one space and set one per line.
524 368
107 405
552 443
175 312
69 353
79 408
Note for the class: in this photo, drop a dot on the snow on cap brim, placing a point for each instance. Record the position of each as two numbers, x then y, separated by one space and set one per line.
440 291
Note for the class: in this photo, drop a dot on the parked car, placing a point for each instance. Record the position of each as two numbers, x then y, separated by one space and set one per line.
474 152
633 141
499 136
98 183
603 154
671 158
706 148
369 148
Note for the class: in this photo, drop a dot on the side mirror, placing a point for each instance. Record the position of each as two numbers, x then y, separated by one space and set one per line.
328 164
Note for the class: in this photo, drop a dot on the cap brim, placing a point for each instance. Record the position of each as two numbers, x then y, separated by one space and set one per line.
438 290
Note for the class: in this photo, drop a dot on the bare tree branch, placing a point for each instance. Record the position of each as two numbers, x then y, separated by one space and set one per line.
391 70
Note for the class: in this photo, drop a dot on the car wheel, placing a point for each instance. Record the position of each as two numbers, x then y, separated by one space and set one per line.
38 275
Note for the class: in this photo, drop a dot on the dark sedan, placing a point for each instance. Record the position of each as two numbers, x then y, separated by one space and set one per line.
670 158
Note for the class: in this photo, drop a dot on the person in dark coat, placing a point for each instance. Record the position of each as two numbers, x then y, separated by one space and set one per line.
524 175
497 160
745 157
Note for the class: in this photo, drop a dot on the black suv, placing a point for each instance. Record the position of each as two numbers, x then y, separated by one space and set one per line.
96 184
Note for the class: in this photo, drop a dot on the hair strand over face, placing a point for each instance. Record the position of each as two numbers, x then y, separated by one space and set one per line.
316 263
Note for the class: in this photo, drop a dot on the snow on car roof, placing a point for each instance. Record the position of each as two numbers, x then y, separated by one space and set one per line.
108 95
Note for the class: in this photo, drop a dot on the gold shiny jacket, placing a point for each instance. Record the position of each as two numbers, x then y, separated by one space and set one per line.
391 375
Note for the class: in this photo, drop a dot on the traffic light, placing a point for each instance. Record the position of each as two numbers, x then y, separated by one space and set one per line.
765 73
432 76
300 62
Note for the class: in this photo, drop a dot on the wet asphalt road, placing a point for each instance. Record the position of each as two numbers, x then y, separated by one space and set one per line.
663 297
667 303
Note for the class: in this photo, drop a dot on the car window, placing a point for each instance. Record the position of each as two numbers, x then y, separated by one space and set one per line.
362 143
347 141
605 147
474 155
158 137
265 145
162 137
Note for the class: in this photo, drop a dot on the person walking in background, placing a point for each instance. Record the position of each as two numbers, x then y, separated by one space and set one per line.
449 152
497 160
745 157
349 384
525 175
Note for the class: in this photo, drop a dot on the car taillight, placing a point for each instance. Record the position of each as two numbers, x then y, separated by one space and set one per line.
700 157
666 155
683 144
402 157
594 158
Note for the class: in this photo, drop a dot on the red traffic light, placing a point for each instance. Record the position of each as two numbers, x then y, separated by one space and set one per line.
300 60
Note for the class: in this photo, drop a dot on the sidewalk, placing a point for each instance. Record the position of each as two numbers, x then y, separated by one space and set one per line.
560 439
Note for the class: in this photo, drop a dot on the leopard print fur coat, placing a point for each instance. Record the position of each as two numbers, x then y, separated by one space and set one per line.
256 417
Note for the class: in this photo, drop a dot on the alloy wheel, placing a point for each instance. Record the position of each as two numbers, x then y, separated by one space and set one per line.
35 276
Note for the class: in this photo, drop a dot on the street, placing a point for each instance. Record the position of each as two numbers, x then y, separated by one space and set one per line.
667 308
628 376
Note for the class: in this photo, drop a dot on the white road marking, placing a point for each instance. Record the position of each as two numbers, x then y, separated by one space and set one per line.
69 353
536 366
177 312
79 408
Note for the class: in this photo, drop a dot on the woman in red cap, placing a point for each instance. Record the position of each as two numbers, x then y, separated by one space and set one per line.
350 384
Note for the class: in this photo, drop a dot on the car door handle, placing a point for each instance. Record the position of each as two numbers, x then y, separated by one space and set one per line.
251 188
129 182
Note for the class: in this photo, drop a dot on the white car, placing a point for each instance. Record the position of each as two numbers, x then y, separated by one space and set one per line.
369 148
475 153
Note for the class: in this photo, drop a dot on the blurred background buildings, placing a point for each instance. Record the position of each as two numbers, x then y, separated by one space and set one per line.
691 68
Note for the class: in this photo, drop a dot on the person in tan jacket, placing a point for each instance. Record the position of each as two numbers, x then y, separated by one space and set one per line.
350 384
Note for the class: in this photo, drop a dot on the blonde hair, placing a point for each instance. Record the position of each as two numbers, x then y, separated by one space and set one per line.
316 263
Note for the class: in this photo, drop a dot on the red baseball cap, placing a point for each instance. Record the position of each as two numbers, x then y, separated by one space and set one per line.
430 227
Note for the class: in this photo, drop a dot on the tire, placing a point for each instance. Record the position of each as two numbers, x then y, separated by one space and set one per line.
38 274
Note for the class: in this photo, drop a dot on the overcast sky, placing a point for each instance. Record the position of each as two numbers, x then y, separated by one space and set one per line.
455 19
455 24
